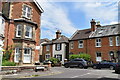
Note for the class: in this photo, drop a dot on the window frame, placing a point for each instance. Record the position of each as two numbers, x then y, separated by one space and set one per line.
72 45
60 46
25 12
46 56
99 43
30 32
48 48
117 40
17 29
80 45
110 41
17 53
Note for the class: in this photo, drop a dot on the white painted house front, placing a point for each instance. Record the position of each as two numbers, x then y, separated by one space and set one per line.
60 53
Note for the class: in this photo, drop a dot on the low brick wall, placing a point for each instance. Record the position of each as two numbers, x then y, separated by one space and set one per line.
20 68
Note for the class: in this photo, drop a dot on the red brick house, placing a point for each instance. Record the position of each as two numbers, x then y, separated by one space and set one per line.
101 42
22 30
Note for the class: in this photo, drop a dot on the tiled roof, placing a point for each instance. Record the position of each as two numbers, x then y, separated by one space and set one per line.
81 34
106 31
44 40
62 39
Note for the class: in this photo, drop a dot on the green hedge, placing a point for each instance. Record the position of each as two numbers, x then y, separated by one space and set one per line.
8 63
82 55
54 60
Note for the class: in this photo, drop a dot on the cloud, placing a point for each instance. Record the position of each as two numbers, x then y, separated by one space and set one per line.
55 17
105 12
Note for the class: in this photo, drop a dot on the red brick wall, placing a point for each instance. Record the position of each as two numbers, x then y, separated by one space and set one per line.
91 49
16 13
46 52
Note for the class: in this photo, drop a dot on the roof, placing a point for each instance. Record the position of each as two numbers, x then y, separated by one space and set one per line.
44 40
107 30
39 7
81 34
62 39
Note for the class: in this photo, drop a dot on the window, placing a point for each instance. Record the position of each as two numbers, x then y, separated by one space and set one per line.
110 41
117 41
17 55
98 56
47 47
28 33
47 56
19 31
80 44
58 47
98 42
27 51
59 56
71 45
27 11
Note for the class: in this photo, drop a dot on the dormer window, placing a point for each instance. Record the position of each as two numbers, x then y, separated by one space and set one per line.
27 11
18 30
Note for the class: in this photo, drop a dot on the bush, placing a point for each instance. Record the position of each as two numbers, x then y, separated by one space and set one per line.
54 60
8 63
83 56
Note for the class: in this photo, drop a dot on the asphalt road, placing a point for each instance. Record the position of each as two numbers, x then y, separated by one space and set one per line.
61 73
82 73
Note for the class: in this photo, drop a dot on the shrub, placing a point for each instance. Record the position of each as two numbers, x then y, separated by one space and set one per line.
83 56
54 60
8 63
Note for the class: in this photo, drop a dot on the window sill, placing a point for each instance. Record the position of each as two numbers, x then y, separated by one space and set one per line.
98 46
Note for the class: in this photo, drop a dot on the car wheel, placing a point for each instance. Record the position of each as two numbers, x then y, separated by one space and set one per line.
80 66
111 67
94 67
66 66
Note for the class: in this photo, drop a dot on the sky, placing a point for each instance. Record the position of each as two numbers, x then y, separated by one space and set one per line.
71 15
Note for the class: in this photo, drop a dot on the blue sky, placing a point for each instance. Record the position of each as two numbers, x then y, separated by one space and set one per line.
69 16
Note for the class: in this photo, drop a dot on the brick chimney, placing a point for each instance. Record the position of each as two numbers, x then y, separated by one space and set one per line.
98 24
58 34
93 25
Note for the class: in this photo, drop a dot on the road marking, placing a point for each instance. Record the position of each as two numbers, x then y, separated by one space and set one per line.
80 75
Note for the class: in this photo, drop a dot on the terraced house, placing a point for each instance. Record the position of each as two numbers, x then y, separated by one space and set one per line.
22 30
101 42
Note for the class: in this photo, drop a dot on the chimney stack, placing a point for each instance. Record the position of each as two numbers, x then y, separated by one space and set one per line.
58 34
93 25
98 24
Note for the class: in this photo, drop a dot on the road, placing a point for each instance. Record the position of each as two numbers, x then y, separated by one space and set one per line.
71 73
82 73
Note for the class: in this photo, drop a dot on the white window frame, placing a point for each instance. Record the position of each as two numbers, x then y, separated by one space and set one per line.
27 55
47 56
72 45
30 32
117 40
47 47
98 41
26 12
80 45
17 55
110 41
58 47
18 29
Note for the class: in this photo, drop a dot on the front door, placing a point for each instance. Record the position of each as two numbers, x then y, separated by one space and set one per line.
27 55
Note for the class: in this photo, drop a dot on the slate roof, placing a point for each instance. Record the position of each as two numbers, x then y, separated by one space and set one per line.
102 31
81 34
62 39
108 30
44 40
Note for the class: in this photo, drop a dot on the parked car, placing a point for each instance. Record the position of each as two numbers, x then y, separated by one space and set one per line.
117 68
81 63
104 64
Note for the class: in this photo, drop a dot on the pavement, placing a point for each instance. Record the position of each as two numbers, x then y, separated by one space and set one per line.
61 72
